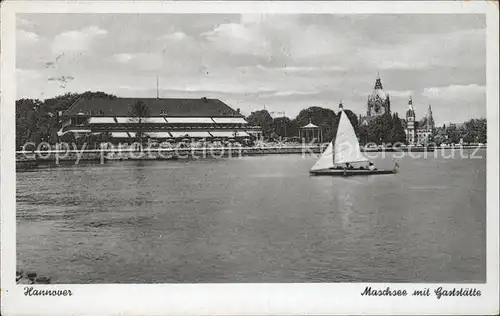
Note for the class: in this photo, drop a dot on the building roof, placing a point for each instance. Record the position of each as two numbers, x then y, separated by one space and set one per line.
310 125
157 107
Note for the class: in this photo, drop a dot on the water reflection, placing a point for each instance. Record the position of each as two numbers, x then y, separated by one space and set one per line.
345 194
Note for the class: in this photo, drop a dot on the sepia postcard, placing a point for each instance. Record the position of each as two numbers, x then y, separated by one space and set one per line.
249 158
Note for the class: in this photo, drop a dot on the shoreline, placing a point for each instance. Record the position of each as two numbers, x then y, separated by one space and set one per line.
29 160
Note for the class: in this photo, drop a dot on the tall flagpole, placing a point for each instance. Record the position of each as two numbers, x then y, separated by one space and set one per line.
157 87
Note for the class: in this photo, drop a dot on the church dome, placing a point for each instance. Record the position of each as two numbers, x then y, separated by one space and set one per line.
378 91
378 101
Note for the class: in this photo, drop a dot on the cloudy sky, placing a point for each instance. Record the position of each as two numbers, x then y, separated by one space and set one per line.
280 62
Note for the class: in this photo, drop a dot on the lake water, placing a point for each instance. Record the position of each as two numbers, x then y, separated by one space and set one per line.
253 219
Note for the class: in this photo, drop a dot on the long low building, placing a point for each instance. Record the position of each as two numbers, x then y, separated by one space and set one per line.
157 118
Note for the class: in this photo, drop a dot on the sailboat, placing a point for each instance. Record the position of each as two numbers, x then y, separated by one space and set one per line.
342 151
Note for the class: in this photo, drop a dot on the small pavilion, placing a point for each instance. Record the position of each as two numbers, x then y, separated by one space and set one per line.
311 132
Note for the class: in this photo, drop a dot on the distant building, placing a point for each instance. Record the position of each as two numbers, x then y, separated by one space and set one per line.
167 119
454 125
277 114
421 132
378 103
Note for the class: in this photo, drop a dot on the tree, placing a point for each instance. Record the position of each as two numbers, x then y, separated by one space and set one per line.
363 134
98 95
379 130
64 102
139 110
482 133
263 119
293 129
452 134
474 131
32 122
439 139
397 134
281 126
325 119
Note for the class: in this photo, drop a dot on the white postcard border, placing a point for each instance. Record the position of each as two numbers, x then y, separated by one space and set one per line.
248 299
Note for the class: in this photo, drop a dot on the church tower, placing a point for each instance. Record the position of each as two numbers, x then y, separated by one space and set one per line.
378 101
410 124
430 119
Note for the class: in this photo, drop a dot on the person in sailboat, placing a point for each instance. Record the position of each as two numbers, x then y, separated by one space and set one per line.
396 165
371 166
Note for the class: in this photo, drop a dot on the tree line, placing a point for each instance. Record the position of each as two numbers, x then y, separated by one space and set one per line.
38 121
384 129
473 131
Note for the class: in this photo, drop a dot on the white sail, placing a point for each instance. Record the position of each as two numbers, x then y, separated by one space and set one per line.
326 159
346 148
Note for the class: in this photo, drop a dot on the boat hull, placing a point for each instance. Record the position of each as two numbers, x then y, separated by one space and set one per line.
349 172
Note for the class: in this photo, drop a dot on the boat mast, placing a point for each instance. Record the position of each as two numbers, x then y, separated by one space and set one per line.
341 107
